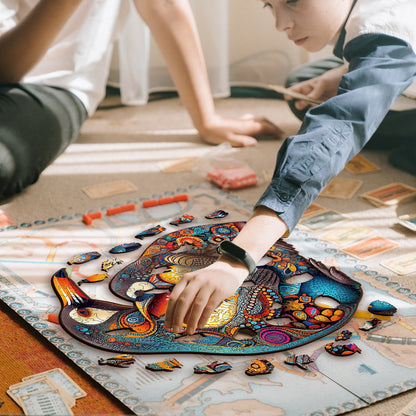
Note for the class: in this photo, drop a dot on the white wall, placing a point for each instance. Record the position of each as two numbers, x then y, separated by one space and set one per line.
240 44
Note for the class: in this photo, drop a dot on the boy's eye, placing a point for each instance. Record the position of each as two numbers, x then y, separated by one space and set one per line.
267 5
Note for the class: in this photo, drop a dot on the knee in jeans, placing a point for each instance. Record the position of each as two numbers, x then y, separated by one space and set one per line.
7 168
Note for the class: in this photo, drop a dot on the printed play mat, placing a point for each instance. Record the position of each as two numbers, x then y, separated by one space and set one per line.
301 318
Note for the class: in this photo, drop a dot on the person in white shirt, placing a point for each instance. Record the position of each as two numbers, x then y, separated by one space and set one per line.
54 63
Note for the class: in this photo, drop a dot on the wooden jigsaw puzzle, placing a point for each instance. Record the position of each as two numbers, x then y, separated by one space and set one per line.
267 295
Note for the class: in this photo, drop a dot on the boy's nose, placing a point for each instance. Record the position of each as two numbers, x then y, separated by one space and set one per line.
283 21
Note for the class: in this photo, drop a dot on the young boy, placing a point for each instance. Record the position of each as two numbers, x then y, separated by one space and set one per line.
377 41
54 62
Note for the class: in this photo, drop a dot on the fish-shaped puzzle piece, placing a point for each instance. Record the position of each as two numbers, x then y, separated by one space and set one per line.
168 365
150 232
342 349
125 248
84 257
122 360
93 278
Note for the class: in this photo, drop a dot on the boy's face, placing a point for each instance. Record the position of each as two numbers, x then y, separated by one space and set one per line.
311 24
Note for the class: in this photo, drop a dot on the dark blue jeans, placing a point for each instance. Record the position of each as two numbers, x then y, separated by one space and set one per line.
37 123
397 132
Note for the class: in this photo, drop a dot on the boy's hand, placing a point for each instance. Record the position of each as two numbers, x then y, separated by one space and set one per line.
198 293
320 88
238 132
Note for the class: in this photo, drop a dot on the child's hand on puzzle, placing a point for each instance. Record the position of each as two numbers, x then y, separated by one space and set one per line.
238 132
320 88
198 293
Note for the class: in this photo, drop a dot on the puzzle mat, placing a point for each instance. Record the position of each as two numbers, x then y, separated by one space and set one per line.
31 253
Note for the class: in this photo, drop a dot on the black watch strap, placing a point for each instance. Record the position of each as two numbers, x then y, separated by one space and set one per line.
230 249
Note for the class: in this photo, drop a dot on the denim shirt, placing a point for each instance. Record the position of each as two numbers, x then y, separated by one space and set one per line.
381 67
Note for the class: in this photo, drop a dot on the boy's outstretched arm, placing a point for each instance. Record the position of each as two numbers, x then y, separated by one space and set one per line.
173 28
197 294
381 67
24 45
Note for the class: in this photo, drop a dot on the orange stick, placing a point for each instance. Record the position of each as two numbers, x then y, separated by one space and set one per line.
180 197
95 215
150 203
120 209
87 219
165 200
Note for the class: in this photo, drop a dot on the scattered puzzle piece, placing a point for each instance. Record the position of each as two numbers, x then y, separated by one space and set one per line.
150 232
182 220
83 258
164 365
344 335
212 368
341 350
109 263
125 248
122 361
217 214
258 367
369 325
380 307
93 278
300 361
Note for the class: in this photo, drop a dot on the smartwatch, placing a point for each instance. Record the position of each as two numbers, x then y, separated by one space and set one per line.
230 249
